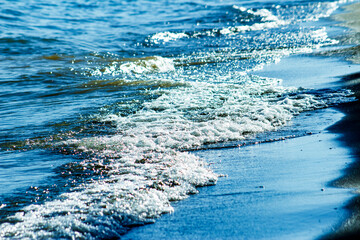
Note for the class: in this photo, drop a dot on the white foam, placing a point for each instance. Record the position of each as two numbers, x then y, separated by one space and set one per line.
144 166
145 162
135 193
150 64
242 9
163 37
308 40
132 66
268 21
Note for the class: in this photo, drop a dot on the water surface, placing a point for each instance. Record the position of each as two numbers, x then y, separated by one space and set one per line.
101 102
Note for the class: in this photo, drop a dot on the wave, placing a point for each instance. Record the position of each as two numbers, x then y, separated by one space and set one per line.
163 37
157 64
267 20
144 165
145 162
258 19
277 46
133 66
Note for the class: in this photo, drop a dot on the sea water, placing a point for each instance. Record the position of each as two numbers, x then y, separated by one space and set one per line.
102 102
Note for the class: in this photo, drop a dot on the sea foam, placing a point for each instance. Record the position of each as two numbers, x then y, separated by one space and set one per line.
164 37
268 21
144 162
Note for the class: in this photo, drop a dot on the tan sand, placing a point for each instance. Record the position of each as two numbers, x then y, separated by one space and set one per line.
350 19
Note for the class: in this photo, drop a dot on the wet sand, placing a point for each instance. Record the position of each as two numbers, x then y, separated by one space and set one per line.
349 130
301 188
349 126
278 190
350 18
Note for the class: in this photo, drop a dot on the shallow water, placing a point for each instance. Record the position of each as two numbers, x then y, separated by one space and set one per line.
275 190
101 101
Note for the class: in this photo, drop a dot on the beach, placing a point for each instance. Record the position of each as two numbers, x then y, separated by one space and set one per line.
179 120
283 189
277 190
300 188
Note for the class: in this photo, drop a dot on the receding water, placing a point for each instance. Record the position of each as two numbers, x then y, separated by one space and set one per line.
101 101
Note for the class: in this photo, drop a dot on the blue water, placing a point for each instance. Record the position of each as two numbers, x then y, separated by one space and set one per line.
105 96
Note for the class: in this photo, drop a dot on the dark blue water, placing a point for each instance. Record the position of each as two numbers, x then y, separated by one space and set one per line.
98 100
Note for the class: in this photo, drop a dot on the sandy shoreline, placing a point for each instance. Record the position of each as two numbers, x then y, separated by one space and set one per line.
349 126
277 190
300 188
349 130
